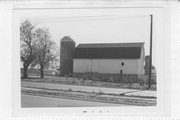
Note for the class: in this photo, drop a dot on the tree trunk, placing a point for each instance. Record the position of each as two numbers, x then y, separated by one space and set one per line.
42 71
25 71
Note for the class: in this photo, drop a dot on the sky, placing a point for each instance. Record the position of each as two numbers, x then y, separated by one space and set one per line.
103 29
96 25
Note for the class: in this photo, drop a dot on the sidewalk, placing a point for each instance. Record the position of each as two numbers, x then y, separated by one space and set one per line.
129 92
89 96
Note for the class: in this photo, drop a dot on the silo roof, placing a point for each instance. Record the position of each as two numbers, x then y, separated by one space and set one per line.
67 39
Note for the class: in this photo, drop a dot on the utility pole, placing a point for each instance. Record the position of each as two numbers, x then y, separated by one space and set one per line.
150 60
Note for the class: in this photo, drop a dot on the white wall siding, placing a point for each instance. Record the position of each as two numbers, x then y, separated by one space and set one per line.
131 66
142 61
81 65
141 66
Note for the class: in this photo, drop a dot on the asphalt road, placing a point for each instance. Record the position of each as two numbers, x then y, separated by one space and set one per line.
37 101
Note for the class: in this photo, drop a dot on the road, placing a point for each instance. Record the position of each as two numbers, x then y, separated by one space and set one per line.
37 101
89 88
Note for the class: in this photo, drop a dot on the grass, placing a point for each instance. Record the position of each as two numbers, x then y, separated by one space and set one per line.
76 81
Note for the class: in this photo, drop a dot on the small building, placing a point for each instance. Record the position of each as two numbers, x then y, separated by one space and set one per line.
109 58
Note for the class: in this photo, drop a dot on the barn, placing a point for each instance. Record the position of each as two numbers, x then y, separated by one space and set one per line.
102 61
109 58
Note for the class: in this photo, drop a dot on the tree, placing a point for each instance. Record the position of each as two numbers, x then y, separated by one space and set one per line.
147 67
28 45
46 49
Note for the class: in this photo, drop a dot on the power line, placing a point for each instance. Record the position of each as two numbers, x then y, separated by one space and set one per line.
86 18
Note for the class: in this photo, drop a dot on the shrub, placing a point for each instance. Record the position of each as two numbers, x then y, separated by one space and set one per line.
70 89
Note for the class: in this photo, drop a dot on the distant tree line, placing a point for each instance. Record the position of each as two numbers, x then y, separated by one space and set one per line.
36 47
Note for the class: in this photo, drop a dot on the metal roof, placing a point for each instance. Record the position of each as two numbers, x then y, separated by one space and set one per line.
108 51
110 45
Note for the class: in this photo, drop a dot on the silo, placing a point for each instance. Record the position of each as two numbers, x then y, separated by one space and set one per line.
67 47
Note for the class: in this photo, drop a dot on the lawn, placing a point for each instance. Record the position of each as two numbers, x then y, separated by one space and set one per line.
77 81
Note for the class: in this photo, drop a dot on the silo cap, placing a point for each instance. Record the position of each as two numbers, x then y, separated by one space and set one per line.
66 39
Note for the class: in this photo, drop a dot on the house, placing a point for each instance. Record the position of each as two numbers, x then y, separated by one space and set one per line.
109 58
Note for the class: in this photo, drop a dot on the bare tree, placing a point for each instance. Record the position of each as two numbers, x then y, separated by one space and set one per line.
46 49
28 51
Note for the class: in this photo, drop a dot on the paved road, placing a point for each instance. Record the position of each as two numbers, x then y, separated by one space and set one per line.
89 88
37 101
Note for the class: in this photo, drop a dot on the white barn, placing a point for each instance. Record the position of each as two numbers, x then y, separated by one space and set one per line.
111 58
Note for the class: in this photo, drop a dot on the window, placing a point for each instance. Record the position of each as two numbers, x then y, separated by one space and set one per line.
122 64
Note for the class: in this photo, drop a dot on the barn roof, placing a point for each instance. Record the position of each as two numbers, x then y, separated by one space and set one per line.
109 51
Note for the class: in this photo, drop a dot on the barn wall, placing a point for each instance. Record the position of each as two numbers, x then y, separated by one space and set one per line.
81 65
142 61
141 66
131 66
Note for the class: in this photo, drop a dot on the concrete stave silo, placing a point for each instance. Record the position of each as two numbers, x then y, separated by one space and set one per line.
67 47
